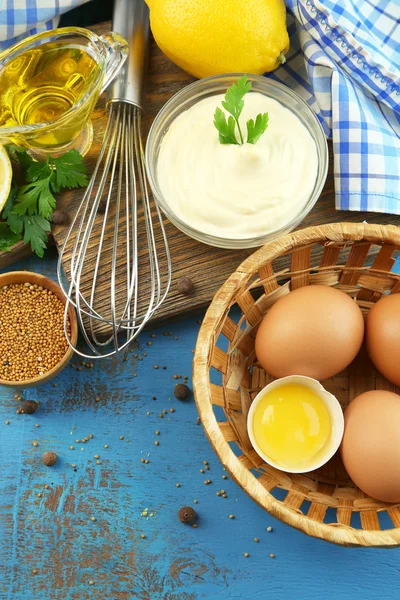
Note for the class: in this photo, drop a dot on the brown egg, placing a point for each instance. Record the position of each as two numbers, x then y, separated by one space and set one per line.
371 444
315 331
383 336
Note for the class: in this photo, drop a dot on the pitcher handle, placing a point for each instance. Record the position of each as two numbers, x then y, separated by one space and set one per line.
117 50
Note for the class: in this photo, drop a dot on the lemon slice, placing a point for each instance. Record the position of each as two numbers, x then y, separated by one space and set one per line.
5 177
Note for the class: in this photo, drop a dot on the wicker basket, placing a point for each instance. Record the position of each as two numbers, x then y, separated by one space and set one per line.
355 258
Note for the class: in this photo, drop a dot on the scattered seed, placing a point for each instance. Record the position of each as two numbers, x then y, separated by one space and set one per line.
121 437
36 424
164 412
71 447
73 465
91 582
35 444
34 571
231 516
156 443
161 416
93 518
224 477
269 528
272 555
142 536
178 485
171 410
7 422
195 501
39 495
142 460
105 445
146 461
207 468
201 470
218 493
246 554
194 525
98 462
156 366
256 540
157 432
96 456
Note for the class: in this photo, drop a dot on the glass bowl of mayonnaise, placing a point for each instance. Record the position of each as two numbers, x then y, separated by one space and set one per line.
236 195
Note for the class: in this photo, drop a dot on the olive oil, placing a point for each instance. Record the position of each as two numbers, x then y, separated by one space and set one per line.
291 425
42 84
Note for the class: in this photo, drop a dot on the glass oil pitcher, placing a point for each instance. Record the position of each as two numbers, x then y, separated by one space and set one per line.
49 85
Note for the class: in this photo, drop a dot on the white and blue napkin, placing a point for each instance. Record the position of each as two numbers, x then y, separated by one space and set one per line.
345 62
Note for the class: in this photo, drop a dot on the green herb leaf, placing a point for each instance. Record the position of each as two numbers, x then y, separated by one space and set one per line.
255 130
7 238
36 229
70 171
13 221
233 101
38 170
234 104
225 128
29 208
35 198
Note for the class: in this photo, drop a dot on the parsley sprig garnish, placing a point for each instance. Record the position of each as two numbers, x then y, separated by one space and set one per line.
233 103
29 207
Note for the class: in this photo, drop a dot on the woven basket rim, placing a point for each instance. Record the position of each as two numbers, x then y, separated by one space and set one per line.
225 297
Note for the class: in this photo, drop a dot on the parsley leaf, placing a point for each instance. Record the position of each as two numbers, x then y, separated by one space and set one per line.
7 238
233 103
69 171
38 170
226 128
256 129
35 198
36 229
29 208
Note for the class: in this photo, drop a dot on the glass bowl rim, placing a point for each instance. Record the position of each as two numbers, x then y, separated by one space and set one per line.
226 242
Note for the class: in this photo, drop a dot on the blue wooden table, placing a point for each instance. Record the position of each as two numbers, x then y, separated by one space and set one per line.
80 537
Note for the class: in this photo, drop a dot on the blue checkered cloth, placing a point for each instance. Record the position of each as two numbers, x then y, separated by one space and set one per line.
345 62
20 18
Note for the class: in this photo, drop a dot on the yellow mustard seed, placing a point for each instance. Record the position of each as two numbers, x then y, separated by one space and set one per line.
32 337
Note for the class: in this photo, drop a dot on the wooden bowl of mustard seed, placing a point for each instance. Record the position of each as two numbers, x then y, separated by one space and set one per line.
33 343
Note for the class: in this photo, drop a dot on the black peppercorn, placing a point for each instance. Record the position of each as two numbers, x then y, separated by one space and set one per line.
187 514
181 391
101 209
59 217
185 286
49 459
29 407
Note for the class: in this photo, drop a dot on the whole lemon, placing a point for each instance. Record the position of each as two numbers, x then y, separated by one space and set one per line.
207 37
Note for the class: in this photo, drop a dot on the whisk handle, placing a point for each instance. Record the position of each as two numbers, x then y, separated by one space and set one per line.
131 20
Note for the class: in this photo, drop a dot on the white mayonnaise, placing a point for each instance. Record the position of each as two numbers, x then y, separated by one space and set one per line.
234 191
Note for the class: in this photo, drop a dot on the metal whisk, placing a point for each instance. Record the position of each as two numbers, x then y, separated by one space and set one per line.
115 280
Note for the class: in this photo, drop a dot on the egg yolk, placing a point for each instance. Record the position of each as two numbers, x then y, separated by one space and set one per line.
291 426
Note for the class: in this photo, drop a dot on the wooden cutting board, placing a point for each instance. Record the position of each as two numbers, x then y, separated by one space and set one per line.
208 267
